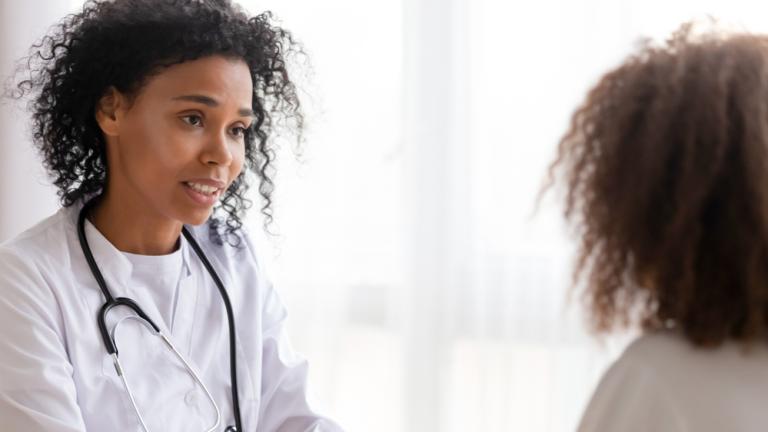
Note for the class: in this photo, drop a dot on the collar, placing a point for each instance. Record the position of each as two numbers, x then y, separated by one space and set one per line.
113 264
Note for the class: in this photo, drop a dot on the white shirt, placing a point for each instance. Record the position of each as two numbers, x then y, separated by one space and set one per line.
162 275
56 376
662 383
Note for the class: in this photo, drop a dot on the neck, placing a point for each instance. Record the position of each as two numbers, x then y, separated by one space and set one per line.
130 228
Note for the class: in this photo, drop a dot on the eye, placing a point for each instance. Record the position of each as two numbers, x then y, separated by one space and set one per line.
192 119
239 131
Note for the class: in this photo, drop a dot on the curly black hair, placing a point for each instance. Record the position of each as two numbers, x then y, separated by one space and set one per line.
120 44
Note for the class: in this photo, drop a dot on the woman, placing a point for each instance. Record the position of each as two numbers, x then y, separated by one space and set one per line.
148 114
665 167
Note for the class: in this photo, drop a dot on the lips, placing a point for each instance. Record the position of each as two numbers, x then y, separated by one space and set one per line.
202 188
202 194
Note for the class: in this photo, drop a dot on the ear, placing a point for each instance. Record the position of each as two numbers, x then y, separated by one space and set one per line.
109 110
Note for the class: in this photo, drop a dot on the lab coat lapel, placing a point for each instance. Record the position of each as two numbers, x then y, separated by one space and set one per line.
186 301
114 266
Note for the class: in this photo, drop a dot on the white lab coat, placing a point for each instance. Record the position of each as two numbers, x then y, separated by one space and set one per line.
662 383
56 376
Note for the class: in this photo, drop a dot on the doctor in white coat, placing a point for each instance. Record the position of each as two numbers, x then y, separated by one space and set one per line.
151 112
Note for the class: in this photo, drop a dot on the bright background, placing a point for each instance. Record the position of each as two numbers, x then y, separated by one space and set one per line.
421 285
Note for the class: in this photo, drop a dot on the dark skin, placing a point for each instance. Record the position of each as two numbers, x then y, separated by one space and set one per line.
172 151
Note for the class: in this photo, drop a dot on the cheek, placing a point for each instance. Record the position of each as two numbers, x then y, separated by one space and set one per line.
152 151
238 160
137 147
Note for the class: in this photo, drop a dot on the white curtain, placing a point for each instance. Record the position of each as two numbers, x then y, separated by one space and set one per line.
425 292
25 193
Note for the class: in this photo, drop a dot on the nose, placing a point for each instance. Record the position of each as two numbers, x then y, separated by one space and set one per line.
217 151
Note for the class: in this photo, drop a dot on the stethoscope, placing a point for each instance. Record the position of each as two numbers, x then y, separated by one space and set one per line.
112 302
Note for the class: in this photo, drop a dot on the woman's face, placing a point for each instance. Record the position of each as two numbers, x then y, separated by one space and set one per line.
176 147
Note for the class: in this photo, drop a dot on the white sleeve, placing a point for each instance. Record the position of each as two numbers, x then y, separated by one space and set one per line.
37 392
284 406
630 398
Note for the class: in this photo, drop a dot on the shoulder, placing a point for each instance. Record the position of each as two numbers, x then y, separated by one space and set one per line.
664 379
242 267
242 252
680 364
643 359
657 349
237 264
44 245
655 358
29 263
634 392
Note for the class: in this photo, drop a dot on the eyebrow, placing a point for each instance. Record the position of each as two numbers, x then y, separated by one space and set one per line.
211 102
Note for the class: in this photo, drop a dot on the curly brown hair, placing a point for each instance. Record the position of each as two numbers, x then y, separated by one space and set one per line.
665 168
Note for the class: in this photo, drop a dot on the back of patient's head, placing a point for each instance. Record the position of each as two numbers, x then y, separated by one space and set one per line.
665 167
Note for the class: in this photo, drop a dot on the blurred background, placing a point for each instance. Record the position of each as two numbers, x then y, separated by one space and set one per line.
426 291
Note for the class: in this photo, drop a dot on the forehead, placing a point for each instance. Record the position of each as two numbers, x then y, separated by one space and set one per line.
225 79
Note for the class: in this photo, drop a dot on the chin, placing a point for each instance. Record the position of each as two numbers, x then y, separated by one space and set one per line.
196 218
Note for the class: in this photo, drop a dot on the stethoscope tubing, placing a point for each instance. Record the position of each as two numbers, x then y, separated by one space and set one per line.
112 302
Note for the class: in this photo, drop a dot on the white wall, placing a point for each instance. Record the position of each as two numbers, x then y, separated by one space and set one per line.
25 192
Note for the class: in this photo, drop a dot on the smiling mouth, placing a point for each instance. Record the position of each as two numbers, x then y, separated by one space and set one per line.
203 189
202 195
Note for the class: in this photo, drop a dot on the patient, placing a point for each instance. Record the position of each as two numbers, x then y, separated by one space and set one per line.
665 170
